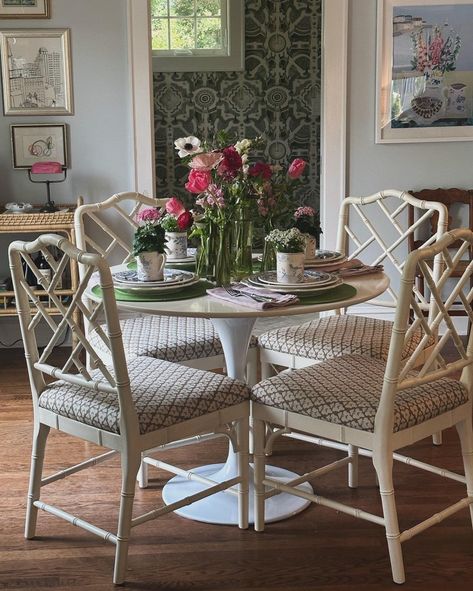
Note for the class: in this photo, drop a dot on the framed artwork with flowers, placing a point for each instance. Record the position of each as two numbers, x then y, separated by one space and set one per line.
424 71
25 9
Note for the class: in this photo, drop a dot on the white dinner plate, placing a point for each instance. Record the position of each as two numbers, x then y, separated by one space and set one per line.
311 279
153 288
171 277
301 290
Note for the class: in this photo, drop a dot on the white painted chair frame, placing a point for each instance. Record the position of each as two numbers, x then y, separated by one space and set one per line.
130 444
382 443
90 213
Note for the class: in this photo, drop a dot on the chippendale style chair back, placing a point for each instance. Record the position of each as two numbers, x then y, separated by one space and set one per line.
126 406
382 407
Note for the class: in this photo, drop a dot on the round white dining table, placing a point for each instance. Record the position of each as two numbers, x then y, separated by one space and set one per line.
234 324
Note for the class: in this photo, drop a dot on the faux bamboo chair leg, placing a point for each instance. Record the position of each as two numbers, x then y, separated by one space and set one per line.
130 465
259 429
465 433
383 463
143 474
353 466
244 472
252 367
267 371
437 438
40 437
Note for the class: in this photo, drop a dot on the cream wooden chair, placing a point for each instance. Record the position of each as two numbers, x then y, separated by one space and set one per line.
382 406
362 232
127 407
188 341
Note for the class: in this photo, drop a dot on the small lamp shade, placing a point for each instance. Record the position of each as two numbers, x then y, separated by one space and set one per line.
46 168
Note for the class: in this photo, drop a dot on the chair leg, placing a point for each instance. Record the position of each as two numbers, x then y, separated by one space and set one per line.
244 473
143 474
267 370
383 463
353 466
40 437
465 432
259 429
437 438
252 368
130 466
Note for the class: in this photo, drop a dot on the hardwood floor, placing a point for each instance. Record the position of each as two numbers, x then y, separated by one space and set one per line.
317 549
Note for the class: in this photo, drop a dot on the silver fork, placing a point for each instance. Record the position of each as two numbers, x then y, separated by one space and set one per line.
238 294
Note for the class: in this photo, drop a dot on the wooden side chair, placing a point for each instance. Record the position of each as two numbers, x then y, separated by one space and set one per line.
128 407
106 228
376 229
382 406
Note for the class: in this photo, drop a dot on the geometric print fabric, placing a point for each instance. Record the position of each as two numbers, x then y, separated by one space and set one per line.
163 393
346 391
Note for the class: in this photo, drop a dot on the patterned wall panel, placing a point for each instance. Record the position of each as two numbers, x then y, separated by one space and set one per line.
277 96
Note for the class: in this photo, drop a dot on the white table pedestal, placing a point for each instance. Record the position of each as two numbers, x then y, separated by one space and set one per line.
221 508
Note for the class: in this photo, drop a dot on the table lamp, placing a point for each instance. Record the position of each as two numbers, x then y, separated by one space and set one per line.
41 169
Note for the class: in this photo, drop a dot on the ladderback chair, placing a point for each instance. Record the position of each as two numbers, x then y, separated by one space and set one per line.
379 405
127 406
376 229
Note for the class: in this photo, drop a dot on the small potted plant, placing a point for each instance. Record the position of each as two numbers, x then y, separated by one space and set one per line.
306 220
289 246
148 246
176 222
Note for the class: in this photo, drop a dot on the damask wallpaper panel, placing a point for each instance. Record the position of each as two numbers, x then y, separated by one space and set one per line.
277 96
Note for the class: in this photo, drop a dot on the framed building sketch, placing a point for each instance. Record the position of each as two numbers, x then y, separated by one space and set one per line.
425 71
36 72
40 142
25 9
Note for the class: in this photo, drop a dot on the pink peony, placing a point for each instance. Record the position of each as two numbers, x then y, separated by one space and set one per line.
150 214
304 211
199 180
175 207
206 161
231 163
262 170
297 168
184 221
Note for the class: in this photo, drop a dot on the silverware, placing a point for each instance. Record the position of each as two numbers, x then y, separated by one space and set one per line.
257 298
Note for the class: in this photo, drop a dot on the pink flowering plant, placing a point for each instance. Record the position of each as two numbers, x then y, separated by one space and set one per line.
149 236
307 221
177 218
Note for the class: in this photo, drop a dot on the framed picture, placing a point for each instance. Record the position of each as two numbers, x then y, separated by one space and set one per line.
425 71
36 72
25 9
41 142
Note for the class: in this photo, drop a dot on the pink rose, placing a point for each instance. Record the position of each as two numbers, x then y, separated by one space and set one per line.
262 170
184 221
199 180
149 214
296 168
206 161
175 207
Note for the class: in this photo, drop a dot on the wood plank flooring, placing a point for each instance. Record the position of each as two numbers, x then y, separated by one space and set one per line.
317 549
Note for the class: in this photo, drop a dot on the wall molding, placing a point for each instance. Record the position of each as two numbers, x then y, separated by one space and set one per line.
334 116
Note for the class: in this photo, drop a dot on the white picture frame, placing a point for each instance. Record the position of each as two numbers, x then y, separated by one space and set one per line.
25 9
420 89
36 72
38 142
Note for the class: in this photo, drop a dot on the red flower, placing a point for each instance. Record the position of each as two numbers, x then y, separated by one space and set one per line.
296 168
199 180
184 221
262 170
230 164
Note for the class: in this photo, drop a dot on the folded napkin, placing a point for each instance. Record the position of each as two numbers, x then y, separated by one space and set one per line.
348 268
276 300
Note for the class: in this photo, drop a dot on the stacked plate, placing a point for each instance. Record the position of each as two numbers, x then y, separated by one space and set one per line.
189 259
174 280
326 257
314 282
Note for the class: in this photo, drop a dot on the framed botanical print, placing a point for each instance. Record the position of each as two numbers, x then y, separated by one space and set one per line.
36 72
39 142
25 9
425 71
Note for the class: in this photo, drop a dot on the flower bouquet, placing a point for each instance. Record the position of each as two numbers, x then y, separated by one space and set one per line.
148 245
307 221
290 247
176 222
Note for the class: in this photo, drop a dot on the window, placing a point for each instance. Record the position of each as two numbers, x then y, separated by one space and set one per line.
197 35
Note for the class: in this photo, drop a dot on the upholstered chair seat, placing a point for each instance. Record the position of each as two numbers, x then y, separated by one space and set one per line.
169 338
346 391
164 394
336 336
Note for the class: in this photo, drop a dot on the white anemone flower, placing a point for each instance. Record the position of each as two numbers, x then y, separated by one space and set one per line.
187 146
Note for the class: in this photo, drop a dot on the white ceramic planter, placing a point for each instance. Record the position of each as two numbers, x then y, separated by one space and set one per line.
290 267
150 266
310 246
176 245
